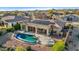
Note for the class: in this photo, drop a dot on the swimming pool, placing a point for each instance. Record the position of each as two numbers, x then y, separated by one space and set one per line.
27 38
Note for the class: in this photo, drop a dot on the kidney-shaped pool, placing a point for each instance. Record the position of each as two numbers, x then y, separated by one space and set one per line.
27 38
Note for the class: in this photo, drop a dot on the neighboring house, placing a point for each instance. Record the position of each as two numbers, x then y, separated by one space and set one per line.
3 25
57 15
12 20
72 19
42 26
8 17
39 15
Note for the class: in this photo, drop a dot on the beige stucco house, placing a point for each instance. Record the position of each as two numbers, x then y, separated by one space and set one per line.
42 26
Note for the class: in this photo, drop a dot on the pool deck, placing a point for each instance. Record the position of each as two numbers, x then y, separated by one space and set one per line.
13 42
43 38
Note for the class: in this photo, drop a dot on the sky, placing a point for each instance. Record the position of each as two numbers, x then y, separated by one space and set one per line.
33 8
11 5
39 3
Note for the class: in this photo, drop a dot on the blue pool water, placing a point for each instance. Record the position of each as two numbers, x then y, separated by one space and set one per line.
27 38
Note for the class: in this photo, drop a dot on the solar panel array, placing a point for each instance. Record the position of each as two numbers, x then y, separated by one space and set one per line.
44 22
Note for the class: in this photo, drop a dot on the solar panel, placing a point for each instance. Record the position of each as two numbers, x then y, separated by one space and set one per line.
44 22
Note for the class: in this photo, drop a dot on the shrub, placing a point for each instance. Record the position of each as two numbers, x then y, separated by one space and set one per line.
58 46
1 33
29 48
77 36
10 30
0 45
20 49
10 49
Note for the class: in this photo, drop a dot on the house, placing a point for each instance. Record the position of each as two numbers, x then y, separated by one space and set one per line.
39 15
3 25
42 26
12 20
72 19
58 14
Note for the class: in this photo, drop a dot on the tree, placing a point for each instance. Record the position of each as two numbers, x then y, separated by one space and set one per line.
50 13
58 46
17 26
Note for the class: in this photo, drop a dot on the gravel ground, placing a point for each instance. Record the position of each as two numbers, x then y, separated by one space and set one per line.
4 38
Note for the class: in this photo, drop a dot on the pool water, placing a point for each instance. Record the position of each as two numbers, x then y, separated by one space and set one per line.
27 38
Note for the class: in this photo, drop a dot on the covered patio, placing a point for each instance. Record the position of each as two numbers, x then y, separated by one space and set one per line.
38 30
41 26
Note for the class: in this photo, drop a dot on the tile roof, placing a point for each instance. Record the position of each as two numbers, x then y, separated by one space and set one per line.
75 18
18 18
60 22
8 17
